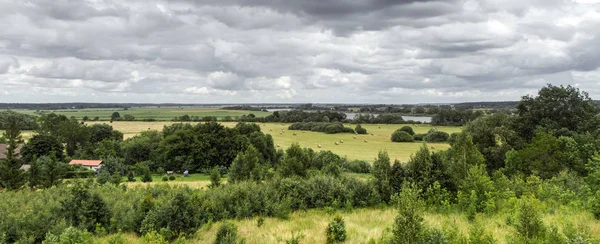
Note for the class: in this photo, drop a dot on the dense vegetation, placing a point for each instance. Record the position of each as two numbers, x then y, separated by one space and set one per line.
522 165
329 128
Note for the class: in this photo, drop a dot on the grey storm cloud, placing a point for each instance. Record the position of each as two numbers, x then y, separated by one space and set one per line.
242 51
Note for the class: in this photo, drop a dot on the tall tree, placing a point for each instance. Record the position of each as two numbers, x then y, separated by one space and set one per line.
381 174
462 156
11 175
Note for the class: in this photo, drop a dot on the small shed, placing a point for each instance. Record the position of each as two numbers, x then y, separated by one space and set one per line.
91 164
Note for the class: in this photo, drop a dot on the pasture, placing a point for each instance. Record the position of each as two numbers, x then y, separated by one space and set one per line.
351 148
141 113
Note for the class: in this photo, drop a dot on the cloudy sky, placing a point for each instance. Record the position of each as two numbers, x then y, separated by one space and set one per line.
251 51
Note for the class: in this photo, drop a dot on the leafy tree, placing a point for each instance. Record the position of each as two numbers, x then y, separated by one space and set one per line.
408 225
46 171
129 117
215 177
85 118
85 210
593 169
530 224
461 157
142 147
553 108
42 145
419 168
179 217
381 175
436 136
11 175
401 136
480 187
246 166
226 234
544 156
295 161
115 116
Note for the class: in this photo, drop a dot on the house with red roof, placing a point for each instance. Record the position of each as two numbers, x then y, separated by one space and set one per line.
91 164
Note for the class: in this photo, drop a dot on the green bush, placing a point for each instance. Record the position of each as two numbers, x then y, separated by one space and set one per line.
436 136
407 129
172 177
357 166
419 137
402 136
226 234
360 130
326 127
530 224
146 177
336 230
165 178
75 236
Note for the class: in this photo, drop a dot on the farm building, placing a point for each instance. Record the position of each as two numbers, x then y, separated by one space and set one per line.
91 164
3 148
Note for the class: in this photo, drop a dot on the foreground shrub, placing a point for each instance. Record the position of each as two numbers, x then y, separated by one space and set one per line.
226 234
408 226
360 130
336 230
402 136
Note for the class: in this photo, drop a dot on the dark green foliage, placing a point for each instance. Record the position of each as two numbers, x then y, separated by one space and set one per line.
436 136
115 116
478 235
461 157
381 174
336 230
596 206
226 234
477 189
141 147
357 166
85 210
246 166
42 145
146 176
402 136
46 172
180 216
130 177
294 162
360 130
326 127
247 128
260 221
165 178
407 129
419 137
171 177
455 117
215 177
11 175
555 107
27 122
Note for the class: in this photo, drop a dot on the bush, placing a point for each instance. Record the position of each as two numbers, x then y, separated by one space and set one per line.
260 221
226 234
436 136
165 178
215 177
530 223
402 136
336 230
74 235
357 166
452 138
360 130
147 177
419 137
172 177
407 129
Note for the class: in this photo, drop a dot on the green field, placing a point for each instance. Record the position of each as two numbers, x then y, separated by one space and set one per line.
140 113
352 148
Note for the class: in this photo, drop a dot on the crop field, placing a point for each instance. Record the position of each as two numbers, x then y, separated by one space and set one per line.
352 148
140 113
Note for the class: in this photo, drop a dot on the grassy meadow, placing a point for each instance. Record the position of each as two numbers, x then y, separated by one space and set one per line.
140 113
363 225
352 148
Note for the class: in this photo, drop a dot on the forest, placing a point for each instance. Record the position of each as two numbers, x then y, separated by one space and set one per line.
542 160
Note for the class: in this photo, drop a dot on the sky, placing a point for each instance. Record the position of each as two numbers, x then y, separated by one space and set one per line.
288 51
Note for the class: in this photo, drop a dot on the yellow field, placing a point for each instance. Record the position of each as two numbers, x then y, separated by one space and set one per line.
352 148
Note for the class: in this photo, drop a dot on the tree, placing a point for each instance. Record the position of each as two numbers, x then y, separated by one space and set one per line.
246 166
545 156
42 145
115 116
215 177
336 231
85 118
408 225
129 117
381 175
419 168
462 156
11 175
295 161
46 171
479 184
553 108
